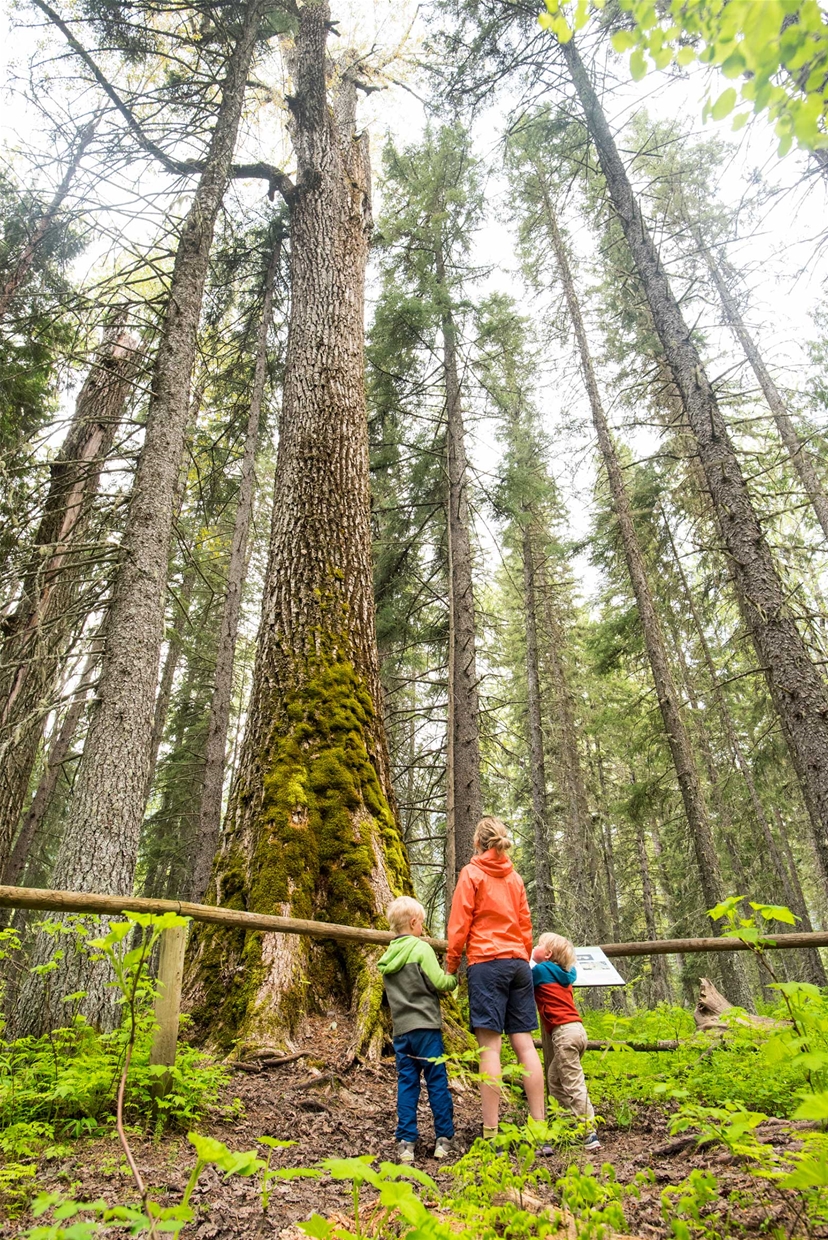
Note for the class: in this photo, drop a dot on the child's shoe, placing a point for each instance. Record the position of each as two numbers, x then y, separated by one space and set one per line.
443 1148
591 1142
405 1151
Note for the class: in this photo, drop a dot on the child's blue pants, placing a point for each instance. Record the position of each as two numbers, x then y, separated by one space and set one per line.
413 1051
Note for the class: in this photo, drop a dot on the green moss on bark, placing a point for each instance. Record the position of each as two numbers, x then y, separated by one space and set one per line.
322 826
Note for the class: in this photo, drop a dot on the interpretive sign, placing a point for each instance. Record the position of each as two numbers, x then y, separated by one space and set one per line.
594 969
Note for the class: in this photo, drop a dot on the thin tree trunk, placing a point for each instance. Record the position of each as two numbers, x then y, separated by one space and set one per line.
106 810
796 450
661 982
310 828
544 894
789 887
796 687
668 699
58 753
27 255
583 855
209 818
465 796
168 670
36 634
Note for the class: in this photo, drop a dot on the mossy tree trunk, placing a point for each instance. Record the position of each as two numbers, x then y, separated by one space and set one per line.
311 831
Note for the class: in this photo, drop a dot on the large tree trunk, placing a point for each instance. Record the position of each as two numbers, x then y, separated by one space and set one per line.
36 634
464 801
544 893
794 446
209 817
797 688
707 860
658 964
310 831
100 845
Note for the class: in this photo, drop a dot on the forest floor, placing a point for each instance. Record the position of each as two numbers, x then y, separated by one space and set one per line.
331 1111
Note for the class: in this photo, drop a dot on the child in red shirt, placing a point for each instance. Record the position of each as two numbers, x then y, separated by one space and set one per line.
553 973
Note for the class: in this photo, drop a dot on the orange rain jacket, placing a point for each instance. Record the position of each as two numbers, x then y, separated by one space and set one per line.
489 913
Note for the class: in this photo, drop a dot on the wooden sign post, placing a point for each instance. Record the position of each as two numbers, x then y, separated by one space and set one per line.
168 1004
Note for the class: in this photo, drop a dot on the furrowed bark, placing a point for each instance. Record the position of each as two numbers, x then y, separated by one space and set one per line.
106 809
36 634
465 798
544 894
310 829
797 689
796 449
678 740
209 818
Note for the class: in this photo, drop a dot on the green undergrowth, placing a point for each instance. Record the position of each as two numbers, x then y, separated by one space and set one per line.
741 1065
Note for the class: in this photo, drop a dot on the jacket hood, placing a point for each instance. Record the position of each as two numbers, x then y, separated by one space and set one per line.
493 863
399 953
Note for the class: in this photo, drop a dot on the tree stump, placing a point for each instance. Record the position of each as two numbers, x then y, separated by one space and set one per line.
712 1005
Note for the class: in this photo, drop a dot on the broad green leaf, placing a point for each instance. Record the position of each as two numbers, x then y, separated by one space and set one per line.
775 912
208 1149
724 105
813 1107
734 65
740 120
638 65
317 1227
685 56
623 40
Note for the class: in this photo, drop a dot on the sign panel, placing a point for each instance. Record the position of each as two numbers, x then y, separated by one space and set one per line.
594 969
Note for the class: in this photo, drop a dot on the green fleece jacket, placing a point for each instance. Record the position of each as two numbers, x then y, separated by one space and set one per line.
413 981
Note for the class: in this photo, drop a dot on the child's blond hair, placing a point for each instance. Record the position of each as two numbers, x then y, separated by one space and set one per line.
492 833
400 913
558 949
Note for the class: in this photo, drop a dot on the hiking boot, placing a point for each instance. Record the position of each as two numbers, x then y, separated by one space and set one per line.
591 1141
444 1147
405 1151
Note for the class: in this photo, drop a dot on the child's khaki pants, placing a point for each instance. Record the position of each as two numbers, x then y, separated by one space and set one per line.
565 1074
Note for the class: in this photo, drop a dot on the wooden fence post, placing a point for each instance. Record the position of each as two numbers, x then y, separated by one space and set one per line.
168 1003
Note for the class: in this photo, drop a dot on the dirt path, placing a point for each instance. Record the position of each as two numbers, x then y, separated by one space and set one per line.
330 1112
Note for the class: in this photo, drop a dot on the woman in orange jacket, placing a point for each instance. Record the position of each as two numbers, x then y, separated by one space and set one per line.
490 919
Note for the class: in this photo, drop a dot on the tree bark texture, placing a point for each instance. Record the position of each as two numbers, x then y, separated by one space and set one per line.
678 740
544 893
310 829
209 817
106 809
661 981
796 449
465 797
584 878
797 689
36 634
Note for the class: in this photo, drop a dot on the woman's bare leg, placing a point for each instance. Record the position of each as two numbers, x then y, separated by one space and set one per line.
523 1044
489 1043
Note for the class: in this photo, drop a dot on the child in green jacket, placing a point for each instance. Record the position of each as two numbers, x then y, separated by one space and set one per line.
413 982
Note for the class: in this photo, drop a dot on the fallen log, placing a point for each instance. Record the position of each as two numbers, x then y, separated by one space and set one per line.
621 1044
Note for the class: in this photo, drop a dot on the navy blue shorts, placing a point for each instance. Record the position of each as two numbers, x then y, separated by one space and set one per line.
502 997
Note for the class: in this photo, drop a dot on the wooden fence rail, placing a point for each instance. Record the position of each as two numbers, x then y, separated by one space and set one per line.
171 961
88 902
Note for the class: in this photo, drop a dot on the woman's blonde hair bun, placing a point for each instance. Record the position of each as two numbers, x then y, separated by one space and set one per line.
492 833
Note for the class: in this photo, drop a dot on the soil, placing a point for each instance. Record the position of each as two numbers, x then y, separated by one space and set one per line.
332 1110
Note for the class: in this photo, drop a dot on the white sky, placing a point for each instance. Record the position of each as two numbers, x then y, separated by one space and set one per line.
784 269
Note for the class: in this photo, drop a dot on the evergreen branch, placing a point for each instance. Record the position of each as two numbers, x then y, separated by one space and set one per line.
277 180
